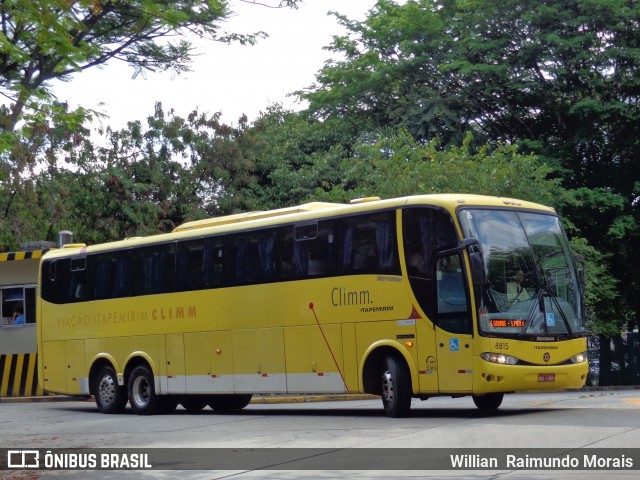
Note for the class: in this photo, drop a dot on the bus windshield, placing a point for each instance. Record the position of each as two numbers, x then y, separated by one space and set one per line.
532 287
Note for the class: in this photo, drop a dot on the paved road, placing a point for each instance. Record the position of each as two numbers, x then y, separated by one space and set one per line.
568 421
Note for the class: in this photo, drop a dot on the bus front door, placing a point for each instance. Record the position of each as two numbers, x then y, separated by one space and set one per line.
453 327
455 374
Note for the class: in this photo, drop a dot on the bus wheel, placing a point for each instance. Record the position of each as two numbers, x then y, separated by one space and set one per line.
110 397
229 402
395 388
490 401
193 404
142 391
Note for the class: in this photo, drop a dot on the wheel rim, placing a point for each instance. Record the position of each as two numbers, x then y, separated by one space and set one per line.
387 387
141 391
107 390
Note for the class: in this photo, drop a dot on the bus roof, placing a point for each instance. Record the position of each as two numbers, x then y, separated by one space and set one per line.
301 213
440 199
243 217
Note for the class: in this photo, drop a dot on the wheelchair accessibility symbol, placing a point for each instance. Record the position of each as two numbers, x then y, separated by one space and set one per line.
454 344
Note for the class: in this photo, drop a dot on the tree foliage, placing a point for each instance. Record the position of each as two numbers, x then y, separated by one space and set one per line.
511 70
43 40
41 140
531 99
143 179
297 156
558 79
395 164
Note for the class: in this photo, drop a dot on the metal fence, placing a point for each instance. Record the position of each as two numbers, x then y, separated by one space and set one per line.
614 361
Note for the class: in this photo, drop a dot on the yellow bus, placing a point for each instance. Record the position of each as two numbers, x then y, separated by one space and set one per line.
402 298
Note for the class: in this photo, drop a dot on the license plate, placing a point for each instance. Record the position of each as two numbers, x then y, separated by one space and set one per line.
546 377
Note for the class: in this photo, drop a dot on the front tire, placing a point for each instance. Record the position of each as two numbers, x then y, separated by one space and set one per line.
110 397
395 388
142 391
490 401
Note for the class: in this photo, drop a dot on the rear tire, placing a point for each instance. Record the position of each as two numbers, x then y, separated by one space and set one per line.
223 403
110 397
142 392
395 386
490 401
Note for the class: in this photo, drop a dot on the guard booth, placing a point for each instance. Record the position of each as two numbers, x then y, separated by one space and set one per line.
18 352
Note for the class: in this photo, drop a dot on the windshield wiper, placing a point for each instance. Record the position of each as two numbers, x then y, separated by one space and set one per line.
531 316
549 291
544 290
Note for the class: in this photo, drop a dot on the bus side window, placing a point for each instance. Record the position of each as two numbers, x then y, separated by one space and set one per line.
55 280
199 264
321 250
450 285
78 287
154 269
452 297
190 265
292 262
48 276
425 232
306 250
111 274
215 262
252 258
51 271
368 244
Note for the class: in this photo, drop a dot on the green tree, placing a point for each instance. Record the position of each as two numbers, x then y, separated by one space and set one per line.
397 164
559 79
150 178
32 202
44 41
296 155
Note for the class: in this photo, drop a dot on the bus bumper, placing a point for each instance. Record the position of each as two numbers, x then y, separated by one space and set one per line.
491 377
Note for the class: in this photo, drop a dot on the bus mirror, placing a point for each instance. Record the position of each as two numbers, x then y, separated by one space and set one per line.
468 242
476 258
581 278
477 268
579 259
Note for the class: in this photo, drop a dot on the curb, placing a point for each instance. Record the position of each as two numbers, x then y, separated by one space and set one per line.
609 388
314 398
44 398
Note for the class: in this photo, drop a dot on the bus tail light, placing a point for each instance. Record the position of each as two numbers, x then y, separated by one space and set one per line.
499 358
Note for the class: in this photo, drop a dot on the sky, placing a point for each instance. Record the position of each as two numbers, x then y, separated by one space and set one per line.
231 79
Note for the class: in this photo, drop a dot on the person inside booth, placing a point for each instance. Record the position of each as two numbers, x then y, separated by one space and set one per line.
18 316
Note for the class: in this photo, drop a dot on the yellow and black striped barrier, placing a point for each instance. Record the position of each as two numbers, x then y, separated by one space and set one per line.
9 256
18 377
18 371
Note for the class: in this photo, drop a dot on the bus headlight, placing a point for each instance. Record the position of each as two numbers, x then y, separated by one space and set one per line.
499 358
579 358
